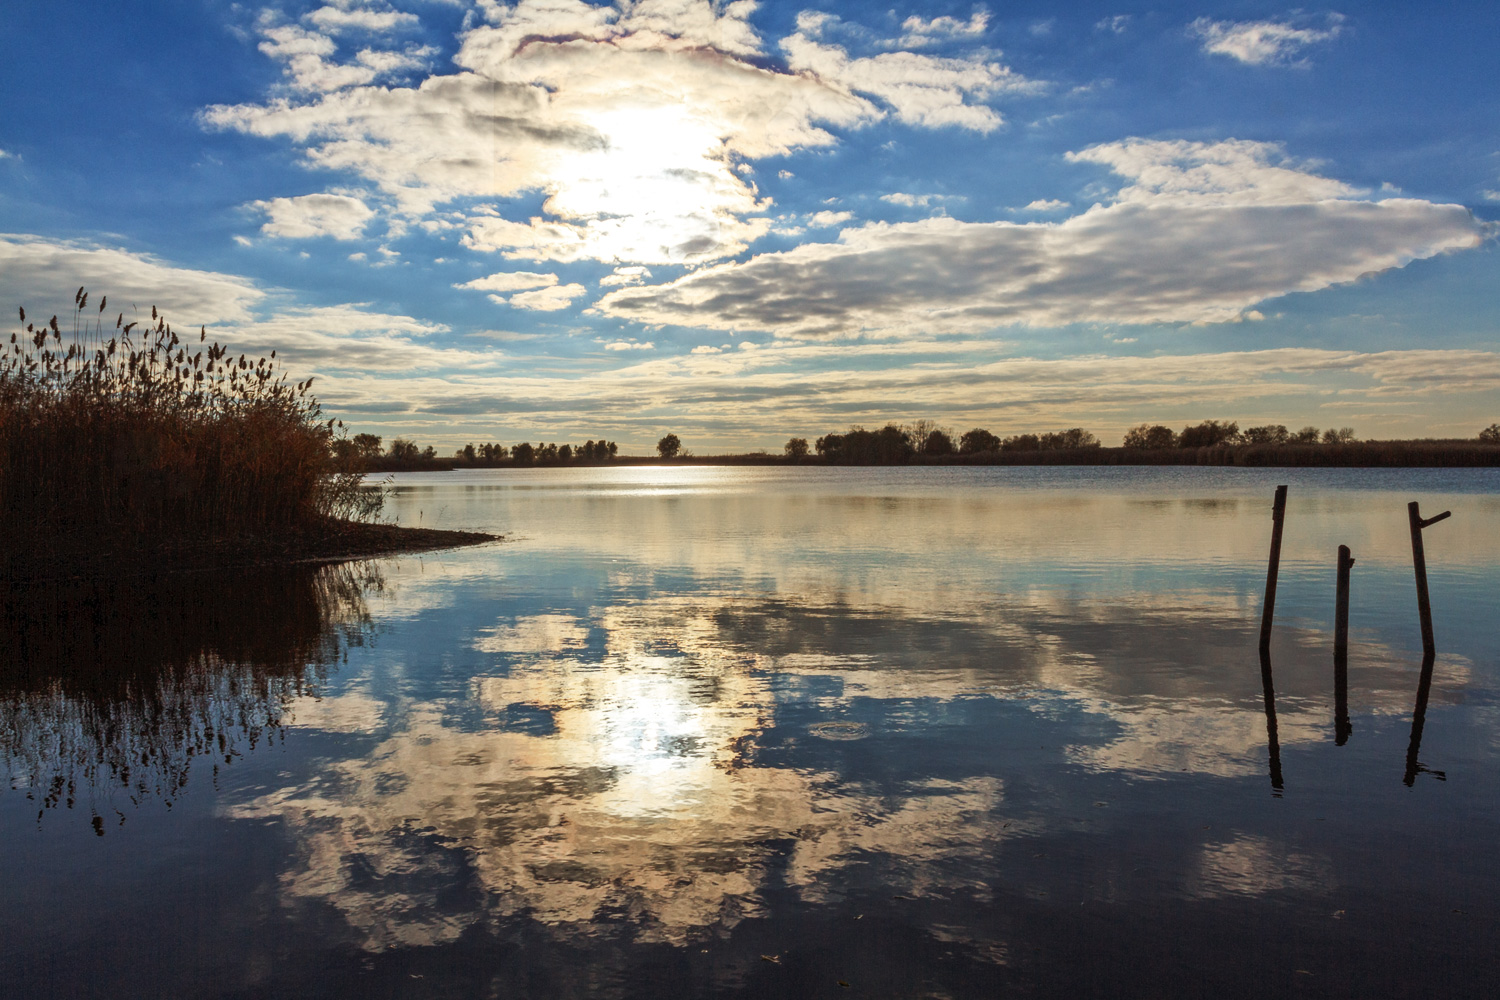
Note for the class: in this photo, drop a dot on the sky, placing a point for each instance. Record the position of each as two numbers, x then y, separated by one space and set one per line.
739 222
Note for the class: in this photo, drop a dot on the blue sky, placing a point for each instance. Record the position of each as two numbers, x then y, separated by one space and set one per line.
740 222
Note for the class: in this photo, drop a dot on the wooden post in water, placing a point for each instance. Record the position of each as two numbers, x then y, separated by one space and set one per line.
1419 566
1341 605
1268 609
1341 725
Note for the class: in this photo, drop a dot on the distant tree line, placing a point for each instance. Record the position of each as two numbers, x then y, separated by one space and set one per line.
1216 433
921 441
897 443
404 455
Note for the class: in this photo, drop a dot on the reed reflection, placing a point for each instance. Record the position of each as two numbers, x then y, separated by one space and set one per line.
110 689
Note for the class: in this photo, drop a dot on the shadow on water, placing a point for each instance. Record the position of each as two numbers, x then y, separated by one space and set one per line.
111 688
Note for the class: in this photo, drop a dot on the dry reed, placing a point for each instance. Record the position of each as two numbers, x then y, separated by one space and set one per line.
131 435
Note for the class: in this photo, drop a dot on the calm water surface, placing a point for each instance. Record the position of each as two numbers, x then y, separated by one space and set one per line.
764 732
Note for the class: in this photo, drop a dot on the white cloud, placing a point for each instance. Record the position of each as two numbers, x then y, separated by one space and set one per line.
1490 195
1045 205
826 220
511 281
916 200
785 175
633 275
1202 233
1261 43
334 19
633 120
1118 24
922 90
1232 172
341 216
6 155
42 274
629 345
918 32
548 299
308 66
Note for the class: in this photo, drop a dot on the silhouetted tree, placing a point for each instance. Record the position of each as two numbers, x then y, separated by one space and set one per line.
796 449
937 443
468 454
403 450
368 445
546 454
1491 434
1208 434
1021 442
1151 436
523 454
976 441
1343 435
1269 434
565 453
1307 435
1073 437
917 432
669 446
830 446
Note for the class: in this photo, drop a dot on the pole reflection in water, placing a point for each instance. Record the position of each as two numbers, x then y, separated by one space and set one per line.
111 688
1418 720
1273 743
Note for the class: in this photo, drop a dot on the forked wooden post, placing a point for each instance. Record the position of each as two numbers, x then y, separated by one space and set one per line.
1419 566
1268 610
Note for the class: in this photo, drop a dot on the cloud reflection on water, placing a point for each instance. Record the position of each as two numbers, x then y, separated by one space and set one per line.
641 769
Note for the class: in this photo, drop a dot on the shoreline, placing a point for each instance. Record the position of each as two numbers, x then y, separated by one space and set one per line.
331 542
1354 455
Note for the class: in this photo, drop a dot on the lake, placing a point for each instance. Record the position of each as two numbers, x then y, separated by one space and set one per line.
755 731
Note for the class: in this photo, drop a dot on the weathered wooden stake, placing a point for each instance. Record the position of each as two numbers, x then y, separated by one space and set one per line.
1341 604
1341 725
1268 610
1419 566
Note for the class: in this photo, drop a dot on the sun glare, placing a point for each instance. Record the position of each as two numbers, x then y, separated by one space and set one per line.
659 189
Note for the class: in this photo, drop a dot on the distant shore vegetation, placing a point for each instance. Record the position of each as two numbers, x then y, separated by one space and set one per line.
924 442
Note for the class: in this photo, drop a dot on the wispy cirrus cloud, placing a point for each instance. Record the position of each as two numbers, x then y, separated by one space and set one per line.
1263 43
336 19
917 31
1200 234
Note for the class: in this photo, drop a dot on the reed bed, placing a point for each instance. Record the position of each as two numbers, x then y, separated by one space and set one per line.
130 435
